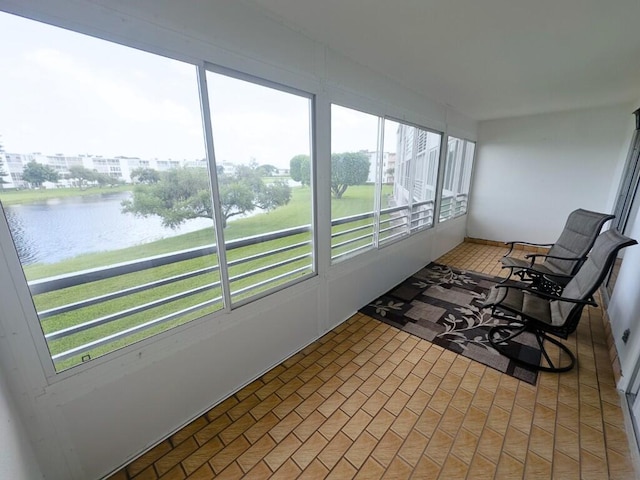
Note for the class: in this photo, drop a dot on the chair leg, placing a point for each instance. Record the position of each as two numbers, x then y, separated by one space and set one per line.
515 330
541 337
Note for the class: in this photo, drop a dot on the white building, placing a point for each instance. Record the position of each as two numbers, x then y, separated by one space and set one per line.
116 167
416 169
388 166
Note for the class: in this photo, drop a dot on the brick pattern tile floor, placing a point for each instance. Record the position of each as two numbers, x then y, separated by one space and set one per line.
367 401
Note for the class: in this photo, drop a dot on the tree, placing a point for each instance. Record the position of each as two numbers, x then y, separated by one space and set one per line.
266 170
183 193
145 175
349 168
244 191
36 174
82 175
105 179
274 195
300 169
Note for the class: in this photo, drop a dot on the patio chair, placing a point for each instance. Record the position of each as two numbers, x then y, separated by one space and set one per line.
545 314
565 256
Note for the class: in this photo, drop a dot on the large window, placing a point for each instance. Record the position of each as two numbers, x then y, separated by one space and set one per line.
267 216
355 165
122 226
408 207
457 178
384 175
143 193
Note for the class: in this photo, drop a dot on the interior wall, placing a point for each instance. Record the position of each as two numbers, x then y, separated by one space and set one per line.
532 171
88 423
18 459
624 304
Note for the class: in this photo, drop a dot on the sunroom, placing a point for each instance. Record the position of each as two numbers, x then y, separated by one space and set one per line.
272 168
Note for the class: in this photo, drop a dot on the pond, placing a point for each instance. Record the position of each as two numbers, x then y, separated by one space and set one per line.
63 228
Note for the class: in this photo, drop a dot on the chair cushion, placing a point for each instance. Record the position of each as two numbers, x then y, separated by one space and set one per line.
520 302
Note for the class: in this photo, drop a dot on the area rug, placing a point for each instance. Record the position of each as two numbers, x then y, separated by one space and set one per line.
443 305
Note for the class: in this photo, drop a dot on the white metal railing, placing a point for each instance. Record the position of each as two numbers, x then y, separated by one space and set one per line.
248 273
286 261
452 206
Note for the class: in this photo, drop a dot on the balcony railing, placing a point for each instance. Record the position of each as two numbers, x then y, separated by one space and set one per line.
453 206
116 305
354 234
351 235
421 215
185 284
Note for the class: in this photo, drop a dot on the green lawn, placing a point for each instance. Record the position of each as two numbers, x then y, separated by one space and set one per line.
298 212
13 197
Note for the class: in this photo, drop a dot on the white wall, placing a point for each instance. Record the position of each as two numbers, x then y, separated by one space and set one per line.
624 306
532 171
86 424
17 460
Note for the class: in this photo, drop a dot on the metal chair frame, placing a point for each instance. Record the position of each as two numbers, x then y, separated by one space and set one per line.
581 288
553 280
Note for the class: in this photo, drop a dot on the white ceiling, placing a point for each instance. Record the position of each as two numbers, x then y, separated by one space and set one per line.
486 58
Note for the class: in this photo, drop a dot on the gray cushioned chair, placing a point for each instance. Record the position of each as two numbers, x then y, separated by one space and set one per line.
543 313
552 271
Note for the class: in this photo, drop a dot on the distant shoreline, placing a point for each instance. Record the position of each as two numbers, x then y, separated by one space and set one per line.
18 197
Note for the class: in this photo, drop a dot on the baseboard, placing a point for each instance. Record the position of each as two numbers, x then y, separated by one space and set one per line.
496 243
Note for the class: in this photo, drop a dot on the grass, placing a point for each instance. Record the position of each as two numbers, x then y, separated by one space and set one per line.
298 212
14 197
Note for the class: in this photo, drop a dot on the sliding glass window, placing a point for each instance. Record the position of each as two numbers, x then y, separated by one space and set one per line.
116 213
261 134
107 196
457 178
384 175
408 206
354 174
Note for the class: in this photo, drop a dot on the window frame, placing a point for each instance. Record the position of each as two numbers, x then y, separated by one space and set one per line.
403 173
379 172
412 169
16 272
208 131
456 171
202 66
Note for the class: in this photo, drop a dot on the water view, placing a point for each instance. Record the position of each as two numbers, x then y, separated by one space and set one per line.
62 228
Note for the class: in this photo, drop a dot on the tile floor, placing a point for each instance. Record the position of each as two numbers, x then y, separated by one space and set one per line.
367 401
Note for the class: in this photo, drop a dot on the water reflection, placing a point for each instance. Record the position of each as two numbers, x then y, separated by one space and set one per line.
63 228
27 250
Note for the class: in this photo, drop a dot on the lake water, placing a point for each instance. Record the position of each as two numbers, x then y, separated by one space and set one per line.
63 228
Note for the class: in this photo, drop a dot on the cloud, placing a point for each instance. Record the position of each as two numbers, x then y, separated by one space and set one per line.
126 100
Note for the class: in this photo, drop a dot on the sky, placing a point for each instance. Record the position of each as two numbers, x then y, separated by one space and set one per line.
64 92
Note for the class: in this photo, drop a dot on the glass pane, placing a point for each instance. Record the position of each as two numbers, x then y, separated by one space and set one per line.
354 168
425 179
107 196
394 199
462 199
263 157
457 178
407 206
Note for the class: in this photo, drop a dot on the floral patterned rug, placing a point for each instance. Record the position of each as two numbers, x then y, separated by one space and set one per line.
443 305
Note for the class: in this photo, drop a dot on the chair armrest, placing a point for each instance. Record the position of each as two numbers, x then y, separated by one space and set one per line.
571 259
513 244
549 296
